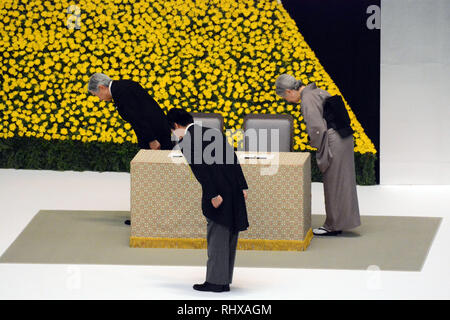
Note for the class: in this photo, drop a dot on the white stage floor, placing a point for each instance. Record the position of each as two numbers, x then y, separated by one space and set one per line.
24 192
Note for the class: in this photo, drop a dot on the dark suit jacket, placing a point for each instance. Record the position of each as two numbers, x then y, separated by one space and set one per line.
217 178
137 107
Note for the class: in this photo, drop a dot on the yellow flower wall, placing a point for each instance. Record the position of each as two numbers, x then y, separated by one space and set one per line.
206 56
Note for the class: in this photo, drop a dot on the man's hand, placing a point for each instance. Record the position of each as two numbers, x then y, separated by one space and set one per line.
245 194
155 145
216 201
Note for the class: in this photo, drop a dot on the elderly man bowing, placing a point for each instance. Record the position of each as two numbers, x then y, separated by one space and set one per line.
137 107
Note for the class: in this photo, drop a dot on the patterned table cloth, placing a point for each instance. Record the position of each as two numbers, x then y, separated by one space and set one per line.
166 201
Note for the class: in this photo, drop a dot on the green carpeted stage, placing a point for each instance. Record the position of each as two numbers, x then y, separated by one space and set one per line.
101 237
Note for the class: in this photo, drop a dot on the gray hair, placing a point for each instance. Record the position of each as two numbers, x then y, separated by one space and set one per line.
286 81
98 79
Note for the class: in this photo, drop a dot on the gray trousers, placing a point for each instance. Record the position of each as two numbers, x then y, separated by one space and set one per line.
221 253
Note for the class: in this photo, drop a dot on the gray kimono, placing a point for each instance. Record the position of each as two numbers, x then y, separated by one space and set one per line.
335 159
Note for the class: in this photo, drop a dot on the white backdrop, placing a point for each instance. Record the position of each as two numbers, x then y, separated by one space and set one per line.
415 92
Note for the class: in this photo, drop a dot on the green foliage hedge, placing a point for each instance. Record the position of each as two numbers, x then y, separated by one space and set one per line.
40 154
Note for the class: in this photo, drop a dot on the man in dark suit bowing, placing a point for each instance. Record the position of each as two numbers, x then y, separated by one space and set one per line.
216 167
137 107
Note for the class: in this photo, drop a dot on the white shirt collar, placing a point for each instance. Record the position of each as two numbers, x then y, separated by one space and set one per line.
190 124
110 87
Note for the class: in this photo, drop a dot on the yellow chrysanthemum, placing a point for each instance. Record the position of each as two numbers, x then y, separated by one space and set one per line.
211 56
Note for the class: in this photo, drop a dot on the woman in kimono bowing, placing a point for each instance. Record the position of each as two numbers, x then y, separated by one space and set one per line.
334 156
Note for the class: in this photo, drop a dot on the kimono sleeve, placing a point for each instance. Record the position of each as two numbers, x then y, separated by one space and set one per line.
316 127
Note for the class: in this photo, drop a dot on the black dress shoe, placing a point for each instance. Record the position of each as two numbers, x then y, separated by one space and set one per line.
127 222
211 287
